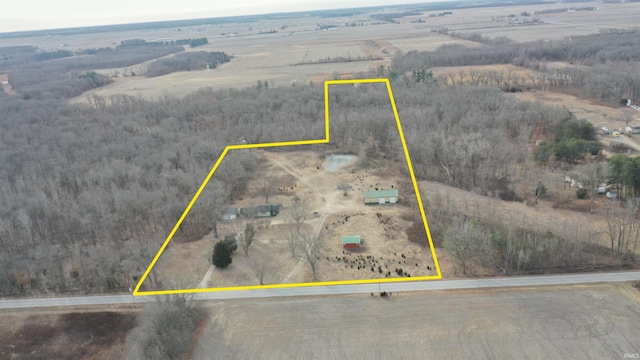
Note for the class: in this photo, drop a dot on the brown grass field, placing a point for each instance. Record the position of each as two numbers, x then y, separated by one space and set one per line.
589 321
271 57
63 333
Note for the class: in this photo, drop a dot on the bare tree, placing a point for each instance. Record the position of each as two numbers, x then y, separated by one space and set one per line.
25 220
591 175
508 78
260 267
461 75
310 249
541 190
291 234
165 330
496 76
214 200
468 243
476 77
452 76
623 226
265 187
244 237
299 212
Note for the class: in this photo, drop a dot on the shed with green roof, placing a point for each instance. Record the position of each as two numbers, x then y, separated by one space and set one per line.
381 196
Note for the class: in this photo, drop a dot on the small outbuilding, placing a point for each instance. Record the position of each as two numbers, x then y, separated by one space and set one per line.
351 241
633 129
266 211
229 213
261 211
381 196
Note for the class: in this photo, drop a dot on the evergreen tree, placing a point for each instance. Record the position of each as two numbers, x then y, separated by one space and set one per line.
221 257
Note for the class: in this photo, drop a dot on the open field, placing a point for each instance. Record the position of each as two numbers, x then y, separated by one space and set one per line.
554 25
262 55
592 321
599 115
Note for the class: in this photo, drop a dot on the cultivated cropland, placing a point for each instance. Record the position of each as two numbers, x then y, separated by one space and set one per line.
523 127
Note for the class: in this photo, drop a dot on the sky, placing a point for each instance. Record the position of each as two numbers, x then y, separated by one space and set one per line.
20 15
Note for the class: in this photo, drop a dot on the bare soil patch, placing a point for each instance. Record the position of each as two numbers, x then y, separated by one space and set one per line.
383 228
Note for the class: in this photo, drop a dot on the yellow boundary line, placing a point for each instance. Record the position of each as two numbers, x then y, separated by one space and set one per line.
137 292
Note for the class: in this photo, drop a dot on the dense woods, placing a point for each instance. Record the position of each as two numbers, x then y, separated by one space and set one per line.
45 75
88 191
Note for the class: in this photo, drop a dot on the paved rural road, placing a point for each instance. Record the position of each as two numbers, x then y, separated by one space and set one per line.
338 289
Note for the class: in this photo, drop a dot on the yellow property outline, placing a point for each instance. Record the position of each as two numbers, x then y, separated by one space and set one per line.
137 292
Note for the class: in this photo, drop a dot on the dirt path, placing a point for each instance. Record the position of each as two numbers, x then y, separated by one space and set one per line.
328 204
296 270
204 283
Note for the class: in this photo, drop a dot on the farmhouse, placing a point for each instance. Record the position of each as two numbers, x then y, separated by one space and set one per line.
351 241
381 197
229 213
268 210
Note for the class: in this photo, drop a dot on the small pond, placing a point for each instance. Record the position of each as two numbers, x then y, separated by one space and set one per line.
335 162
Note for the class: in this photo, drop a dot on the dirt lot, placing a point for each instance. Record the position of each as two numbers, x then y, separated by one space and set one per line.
591 321
382 228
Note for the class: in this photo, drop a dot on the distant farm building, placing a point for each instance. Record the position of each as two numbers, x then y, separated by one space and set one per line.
634 129
351 241
229 213
260 211
381 197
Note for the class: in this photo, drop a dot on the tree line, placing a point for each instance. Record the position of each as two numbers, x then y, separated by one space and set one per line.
609 70
70 76
198 60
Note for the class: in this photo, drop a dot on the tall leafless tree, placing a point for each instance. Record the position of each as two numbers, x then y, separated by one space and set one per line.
260 266
310 251
265 187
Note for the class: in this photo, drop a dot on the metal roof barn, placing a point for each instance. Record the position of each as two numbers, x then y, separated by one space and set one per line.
381 196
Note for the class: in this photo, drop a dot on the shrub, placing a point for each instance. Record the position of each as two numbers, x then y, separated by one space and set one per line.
581 193
221 257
